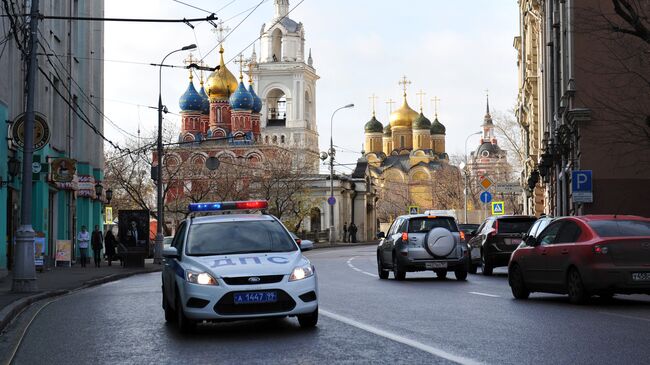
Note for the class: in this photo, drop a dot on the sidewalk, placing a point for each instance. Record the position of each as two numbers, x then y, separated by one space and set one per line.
343 244
61 280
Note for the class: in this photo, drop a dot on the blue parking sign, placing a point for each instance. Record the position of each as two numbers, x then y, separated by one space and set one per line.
582 186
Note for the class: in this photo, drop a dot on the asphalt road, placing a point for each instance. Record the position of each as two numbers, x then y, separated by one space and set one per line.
423 320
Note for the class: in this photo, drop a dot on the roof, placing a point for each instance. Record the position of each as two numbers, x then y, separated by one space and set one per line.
217 218
492 149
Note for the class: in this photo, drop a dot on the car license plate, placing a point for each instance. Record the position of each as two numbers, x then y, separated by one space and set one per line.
256 297
512 241
435 265
641 276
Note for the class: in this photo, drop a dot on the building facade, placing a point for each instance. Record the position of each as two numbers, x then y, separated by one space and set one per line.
593 109
69 159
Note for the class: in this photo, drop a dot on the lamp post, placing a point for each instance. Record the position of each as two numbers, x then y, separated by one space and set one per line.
465 171
157 258
331 153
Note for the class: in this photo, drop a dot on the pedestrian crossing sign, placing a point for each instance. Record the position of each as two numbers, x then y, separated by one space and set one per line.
414 209
497 208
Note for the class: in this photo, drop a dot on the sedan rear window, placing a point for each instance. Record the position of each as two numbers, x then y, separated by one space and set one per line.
425 224
221 238
620 228
514 225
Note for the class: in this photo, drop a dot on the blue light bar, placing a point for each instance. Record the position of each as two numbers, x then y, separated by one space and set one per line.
222 206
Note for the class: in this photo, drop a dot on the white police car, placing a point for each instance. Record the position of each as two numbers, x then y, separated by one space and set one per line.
236 266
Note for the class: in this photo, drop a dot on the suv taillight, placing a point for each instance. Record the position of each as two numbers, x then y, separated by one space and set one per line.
462 235
405 236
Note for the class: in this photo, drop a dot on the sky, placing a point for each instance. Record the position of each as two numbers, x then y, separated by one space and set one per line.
454 50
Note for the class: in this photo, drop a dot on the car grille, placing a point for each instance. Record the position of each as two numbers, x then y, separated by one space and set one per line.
244 280
226 305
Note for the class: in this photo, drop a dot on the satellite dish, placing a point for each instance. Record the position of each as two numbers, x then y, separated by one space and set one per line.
212 163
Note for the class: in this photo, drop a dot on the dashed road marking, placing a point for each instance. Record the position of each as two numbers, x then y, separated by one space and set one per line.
485 294
401 339
349 262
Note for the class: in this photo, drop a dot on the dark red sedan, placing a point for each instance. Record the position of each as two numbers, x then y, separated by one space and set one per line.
584 256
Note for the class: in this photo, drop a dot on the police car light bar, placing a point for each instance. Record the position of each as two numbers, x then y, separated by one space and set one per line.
221 206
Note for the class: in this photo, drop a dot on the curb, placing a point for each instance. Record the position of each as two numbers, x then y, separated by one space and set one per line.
11 311
326 245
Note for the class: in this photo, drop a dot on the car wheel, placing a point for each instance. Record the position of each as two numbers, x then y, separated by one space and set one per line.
486 267
517 283
441 274
184 324
169 311
383 273
575 287
397 271
473 268
461 275
308 320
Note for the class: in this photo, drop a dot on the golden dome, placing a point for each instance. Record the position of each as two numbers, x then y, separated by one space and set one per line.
403 116
221 83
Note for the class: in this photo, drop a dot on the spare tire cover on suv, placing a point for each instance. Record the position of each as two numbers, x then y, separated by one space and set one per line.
439 242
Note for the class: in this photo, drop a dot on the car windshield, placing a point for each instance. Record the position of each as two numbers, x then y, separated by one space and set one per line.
515 225
222 238
620 228
425 224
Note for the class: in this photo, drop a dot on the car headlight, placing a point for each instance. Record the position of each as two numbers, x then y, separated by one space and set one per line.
302 272
202 278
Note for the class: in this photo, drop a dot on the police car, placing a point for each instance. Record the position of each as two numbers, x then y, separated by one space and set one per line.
236 266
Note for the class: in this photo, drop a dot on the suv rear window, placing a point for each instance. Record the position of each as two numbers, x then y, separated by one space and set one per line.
221 238
425 224
514 225
620 228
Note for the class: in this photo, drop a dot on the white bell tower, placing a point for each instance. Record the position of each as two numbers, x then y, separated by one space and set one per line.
286 83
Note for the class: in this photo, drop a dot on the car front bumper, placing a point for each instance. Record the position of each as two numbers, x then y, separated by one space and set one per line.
208 302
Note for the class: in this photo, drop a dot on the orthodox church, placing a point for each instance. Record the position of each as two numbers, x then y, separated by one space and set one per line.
489 159
406 152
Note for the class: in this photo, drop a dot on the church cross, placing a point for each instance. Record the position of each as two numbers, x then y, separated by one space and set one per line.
436 101
390 103
372 100
405 83
421 95
221 31
241 63
190 60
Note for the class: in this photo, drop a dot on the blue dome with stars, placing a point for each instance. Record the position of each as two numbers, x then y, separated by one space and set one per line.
241 99
257 102
190 100
205 104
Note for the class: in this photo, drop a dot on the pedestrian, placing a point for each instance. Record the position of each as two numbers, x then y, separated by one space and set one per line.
345 232
353 232
83 238
109 246
97 242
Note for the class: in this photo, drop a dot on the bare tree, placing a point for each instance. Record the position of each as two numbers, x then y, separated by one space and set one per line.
508 131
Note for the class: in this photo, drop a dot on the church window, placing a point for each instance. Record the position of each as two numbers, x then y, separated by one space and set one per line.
276 48
275 139
266 139
401 141
276 108
282 139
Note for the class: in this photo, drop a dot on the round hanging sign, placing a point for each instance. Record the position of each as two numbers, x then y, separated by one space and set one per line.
41 131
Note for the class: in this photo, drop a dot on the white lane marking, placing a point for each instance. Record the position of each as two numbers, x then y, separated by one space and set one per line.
626 316
401 339
485 294
349 262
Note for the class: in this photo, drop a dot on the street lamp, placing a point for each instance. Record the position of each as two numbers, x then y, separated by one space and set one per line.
109 196
98 190
464 165
157 258
332 153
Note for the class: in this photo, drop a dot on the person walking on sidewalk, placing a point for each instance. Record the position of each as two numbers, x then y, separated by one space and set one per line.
109 246
353 232
345 232
83 238
97 241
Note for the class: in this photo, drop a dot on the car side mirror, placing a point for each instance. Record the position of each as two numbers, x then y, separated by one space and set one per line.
170 253
531 241
381 235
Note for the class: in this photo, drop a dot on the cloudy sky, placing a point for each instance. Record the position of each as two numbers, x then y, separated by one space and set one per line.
454 50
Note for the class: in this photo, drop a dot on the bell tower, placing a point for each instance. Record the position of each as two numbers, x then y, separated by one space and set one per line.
286 83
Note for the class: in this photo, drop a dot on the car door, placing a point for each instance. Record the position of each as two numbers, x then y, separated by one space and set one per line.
169 269
559 252
475 243
387 243
535 263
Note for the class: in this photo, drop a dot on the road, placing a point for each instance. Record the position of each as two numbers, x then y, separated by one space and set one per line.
423 320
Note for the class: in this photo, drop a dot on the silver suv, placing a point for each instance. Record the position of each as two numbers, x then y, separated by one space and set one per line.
422 242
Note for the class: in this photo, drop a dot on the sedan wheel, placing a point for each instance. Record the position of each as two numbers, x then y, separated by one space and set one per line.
441 274
397 271
517 283
184 324
308 320
473 268
461 275
487 267
169 312
383 273
575 287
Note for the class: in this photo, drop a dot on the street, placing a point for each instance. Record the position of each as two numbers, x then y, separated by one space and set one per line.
362 320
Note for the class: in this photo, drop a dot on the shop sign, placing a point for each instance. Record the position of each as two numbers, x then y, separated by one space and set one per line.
85 186
63 170
63 252
41 131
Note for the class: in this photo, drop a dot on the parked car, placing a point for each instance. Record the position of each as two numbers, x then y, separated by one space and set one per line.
537 227
421 242
305 245
583 256
469 230
495 241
